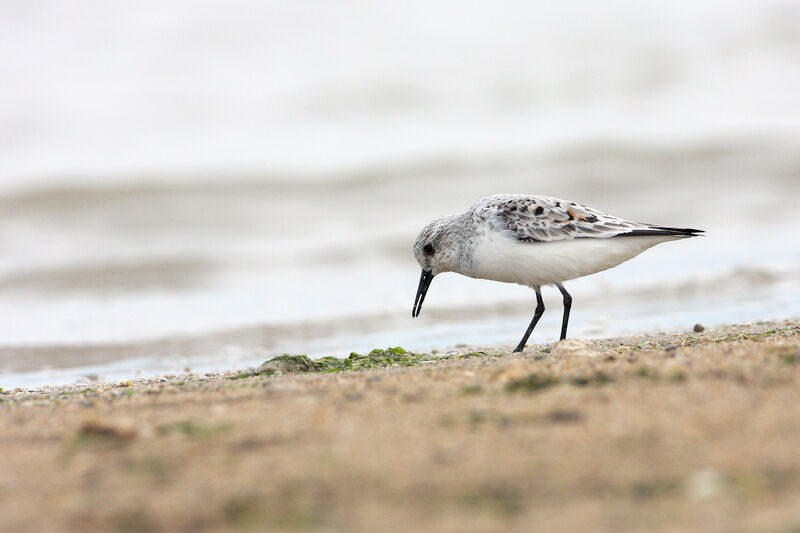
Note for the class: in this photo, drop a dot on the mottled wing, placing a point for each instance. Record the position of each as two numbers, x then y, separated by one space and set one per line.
541 218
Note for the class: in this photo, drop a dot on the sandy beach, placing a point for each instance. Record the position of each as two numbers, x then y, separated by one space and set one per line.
685 431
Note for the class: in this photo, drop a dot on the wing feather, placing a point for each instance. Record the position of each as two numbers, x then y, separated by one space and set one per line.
545 219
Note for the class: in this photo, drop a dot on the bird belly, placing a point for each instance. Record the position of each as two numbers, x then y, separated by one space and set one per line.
501 258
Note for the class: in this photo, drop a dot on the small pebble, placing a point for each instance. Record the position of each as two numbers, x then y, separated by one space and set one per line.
698 328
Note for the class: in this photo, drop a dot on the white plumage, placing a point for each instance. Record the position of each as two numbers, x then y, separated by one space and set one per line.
502 258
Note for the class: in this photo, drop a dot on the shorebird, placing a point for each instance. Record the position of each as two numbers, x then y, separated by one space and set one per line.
532 241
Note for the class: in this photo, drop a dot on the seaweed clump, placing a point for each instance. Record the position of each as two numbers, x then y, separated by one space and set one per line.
289 364
377 357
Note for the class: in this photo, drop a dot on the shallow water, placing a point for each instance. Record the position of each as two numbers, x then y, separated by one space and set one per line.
201 193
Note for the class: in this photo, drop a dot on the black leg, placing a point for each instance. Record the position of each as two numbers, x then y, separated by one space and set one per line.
567 306
536 316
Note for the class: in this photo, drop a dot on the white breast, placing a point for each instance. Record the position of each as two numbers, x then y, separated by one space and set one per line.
502 258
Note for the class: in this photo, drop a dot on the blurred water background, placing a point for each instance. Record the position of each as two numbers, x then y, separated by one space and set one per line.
205 184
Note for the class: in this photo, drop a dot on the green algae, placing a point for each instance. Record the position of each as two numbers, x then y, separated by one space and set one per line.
296 364
741 336
253 373
470 355
378 358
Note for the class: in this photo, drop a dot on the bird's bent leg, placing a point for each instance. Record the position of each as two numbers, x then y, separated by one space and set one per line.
536 316
567 306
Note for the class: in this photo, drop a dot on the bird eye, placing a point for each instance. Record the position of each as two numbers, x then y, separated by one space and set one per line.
428 249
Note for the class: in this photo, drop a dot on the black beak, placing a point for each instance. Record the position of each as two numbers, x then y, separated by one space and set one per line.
424 282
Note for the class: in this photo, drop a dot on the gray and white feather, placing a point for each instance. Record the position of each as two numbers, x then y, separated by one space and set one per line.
532 241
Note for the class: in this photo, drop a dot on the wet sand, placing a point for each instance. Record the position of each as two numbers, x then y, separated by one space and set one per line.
670 432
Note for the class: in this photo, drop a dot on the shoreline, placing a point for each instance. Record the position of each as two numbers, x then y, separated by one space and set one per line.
651 340
690 431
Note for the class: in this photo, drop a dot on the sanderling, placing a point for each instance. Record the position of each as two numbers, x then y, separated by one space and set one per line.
532 241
